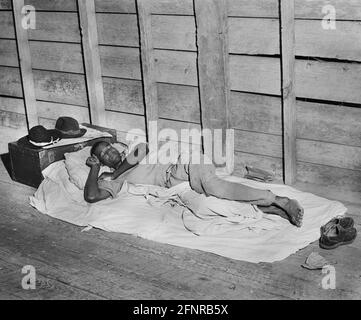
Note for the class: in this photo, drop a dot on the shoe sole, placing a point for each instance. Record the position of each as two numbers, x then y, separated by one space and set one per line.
323 246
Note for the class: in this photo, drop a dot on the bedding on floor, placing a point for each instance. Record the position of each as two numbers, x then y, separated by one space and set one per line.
179 216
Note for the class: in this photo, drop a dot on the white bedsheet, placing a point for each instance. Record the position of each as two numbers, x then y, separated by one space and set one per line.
226 228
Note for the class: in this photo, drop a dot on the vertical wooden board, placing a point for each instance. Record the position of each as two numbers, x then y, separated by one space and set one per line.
10 82
12 105
174 32
288 89
178 102
120 6
344 180
123 95
26 75
271 164
176 67
125 122
330 154
12 112
212 44
7 25
345 9
213 66
184 7
120 62
255 74
60 87
56 26
118 29
93 75
53 5
65 57
178 127
329 123
333 81
254 36
255 112
147 62
51 110
47 123
5 5
8 53
123 137
9 135
342 43
254 8
25 64
12 120
258 143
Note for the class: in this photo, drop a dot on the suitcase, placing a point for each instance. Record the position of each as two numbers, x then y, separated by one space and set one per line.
27 164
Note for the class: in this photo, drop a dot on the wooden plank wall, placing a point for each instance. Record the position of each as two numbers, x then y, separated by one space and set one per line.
12 111
213 70
175 51
255 106
57 62
327 77
328 88
118 38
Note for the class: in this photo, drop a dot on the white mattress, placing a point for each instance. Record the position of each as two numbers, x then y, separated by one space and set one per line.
266 239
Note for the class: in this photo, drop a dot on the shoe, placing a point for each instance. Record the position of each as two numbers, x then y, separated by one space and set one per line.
341 236
344 222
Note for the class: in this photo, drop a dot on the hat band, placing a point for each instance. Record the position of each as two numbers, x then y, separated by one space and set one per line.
44 144
70 131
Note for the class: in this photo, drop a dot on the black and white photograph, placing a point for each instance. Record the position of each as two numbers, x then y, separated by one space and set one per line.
181 155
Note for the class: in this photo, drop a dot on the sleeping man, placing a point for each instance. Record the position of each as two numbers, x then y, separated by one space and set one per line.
201 177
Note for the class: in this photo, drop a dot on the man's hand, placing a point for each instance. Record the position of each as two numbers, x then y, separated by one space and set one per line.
106 176
93 162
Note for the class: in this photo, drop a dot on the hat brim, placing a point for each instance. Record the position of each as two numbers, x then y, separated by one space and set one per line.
24 141
65 135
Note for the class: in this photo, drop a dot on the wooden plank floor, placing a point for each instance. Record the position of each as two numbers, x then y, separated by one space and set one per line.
71 264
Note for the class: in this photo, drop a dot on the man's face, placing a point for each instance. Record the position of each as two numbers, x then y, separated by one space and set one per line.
108 155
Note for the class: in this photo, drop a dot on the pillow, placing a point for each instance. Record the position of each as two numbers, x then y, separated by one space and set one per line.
77 169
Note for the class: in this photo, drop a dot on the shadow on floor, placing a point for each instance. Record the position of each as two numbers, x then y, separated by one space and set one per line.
5 157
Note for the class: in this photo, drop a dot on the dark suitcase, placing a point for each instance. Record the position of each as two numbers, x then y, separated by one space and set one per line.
27 164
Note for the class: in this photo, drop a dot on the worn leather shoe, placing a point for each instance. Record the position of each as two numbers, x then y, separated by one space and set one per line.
336 236
344 222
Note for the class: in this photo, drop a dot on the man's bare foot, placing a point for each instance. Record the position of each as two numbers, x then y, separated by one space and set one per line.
274 210
292 208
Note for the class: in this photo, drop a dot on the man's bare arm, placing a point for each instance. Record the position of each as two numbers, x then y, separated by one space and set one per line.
92 193
136 156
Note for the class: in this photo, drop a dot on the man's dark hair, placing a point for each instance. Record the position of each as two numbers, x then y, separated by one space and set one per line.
96 145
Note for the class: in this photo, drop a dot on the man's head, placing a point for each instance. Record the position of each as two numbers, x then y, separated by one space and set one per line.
106 153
